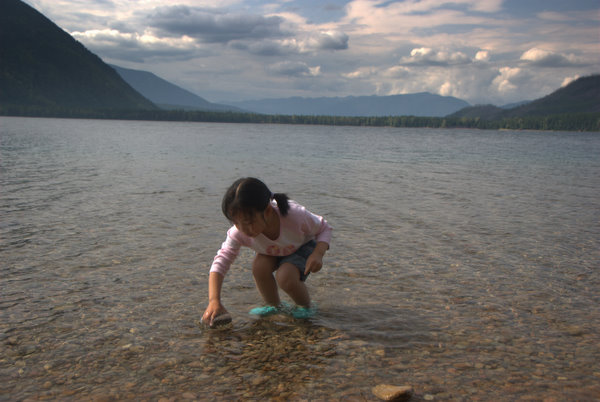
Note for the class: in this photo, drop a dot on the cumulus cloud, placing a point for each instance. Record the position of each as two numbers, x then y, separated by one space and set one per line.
482 56
397 72
509 79
446 89
133 46
266 47
328 40
272 35
544 58
425 56
215 26
312 42
569 80
361 73
294 69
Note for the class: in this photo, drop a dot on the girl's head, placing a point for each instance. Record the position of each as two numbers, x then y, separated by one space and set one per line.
248 196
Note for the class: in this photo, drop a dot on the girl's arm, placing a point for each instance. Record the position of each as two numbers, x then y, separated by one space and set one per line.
221 263
319 227
227 253
315 225
215 308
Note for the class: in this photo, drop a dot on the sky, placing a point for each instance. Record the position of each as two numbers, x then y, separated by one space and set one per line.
482 51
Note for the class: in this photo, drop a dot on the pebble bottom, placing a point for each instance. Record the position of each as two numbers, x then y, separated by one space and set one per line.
281 359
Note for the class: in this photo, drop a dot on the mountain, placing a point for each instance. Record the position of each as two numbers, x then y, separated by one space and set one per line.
480 111
43 68
580 96
419 104
169 96
165 94
515 104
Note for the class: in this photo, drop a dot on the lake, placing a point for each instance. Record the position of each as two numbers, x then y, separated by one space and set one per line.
464 263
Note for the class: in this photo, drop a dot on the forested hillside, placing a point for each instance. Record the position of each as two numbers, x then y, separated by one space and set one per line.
580 96
42 68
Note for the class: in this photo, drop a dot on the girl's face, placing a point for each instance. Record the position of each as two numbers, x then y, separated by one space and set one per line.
250 224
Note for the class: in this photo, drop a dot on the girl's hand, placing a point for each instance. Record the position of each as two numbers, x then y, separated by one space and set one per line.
214 309
314 263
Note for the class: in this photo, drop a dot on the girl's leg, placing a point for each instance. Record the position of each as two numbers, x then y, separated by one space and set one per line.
288 279
262 270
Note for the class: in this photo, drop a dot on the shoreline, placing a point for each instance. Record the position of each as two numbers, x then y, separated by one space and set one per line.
579 122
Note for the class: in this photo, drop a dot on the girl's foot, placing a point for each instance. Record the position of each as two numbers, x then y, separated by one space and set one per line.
264 311
267 310
304 312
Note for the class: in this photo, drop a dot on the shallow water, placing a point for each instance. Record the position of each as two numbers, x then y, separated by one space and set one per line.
464 263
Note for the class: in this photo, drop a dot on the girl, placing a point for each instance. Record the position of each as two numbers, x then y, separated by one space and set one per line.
289 241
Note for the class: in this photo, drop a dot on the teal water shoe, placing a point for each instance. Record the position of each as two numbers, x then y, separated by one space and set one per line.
264 311
304 312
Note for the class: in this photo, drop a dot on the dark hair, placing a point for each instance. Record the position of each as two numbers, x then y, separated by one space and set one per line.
248 195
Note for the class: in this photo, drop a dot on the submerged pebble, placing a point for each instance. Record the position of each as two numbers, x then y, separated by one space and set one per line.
393 392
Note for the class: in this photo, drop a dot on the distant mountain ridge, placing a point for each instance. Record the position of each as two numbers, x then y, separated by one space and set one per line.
580 96
170 96
165 94
43 67
418 104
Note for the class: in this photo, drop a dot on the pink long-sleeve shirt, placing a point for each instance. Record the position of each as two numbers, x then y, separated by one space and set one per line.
296 228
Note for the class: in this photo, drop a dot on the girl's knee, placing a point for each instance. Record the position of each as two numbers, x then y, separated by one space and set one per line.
287 277
262 266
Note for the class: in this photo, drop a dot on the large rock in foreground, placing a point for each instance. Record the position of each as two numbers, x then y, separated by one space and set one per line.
393 392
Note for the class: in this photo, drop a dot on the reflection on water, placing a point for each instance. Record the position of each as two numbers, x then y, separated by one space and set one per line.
464 263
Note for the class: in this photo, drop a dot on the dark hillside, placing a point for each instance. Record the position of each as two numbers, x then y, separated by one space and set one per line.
43 67
580 96
479 111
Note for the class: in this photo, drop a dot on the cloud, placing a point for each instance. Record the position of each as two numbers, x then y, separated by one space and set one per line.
425 56
479 50
568 16
485 6
509 79
409 19
482 56
397 72
544 58
215 26
262 35
447 89
294 69
135 47
569 80
266 47
309 43
329 40
428 6
362 73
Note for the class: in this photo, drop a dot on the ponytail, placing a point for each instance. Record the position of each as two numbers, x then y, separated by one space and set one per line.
283 204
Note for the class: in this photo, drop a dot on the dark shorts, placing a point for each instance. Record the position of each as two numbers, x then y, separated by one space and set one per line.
299 258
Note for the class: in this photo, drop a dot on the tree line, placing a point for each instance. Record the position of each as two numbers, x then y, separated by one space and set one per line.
557 122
